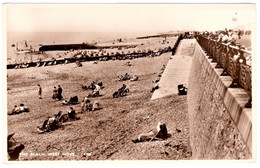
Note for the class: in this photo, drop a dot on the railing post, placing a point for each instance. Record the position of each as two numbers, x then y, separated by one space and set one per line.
213 45
216 52
220 56
227 65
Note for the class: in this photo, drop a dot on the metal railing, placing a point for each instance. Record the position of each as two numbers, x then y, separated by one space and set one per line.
233 61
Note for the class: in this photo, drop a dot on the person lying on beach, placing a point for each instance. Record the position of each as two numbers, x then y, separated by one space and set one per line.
134 78
160 132
71 101
123 77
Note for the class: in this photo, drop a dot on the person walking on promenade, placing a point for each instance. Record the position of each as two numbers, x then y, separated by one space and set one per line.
40 91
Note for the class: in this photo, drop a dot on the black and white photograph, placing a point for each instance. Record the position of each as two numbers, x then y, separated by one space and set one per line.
128 81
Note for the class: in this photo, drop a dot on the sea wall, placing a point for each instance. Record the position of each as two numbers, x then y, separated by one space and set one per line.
220 126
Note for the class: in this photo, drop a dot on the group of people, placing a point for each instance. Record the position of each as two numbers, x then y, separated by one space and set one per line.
225 36
95 87
57 93
19 109
229 37
127 77
156 85
121 92
124 77
22 65
86 105
55 122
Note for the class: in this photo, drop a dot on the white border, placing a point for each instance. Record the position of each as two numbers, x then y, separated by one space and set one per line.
134 163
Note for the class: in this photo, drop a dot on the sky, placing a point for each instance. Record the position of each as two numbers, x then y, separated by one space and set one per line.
126 17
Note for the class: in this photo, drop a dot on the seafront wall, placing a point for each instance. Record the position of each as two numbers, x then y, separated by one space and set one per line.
220 125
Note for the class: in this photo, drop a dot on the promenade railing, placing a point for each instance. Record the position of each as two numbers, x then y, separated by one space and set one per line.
233 60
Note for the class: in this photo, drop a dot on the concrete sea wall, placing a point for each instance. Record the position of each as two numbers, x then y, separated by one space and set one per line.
220 126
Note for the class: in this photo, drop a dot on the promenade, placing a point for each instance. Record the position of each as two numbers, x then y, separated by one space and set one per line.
177 70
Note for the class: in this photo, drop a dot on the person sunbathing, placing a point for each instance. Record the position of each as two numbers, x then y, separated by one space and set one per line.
160 132
134 78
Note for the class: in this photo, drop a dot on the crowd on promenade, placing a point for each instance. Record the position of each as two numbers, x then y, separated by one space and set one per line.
229 37
226 36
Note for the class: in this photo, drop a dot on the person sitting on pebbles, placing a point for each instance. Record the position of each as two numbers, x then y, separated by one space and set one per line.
95 106
72 114
85 105
160 132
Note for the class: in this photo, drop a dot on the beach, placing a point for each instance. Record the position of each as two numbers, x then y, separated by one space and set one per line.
106 133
